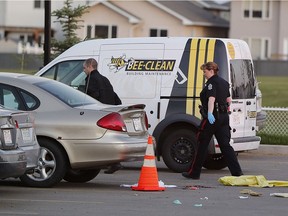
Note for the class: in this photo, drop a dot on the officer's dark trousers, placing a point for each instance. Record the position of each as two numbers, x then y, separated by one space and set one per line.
221 130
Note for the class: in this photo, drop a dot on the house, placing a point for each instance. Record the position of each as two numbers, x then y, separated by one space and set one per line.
21 26
108 19
262 24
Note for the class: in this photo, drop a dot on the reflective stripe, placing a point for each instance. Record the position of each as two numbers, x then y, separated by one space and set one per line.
149 163
150 150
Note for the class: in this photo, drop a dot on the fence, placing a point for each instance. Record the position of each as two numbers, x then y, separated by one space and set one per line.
276 122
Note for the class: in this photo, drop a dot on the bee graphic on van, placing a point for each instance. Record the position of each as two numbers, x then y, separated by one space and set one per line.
117 64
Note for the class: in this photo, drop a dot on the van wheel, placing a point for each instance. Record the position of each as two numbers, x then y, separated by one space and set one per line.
80 176
52 166
179 149
215 162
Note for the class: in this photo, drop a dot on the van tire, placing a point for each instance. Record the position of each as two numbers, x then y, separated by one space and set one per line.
179 149
215 162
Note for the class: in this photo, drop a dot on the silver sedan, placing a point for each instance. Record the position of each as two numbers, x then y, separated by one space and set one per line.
78 135
25 133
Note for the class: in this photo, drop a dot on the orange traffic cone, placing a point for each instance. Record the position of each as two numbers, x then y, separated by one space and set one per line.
148 180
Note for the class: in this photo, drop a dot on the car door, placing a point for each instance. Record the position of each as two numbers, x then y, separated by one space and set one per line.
69 72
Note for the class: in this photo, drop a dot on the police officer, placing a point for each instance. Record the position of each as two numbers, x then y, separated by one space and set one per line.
215 99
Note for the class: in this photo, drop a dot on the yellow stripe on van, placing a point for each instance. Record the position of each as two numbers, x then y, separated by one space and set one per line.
211 50
200 76
191 75
203 53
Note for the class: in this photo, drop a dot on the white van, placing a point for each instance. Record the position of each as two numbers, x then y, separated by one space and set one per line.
164 74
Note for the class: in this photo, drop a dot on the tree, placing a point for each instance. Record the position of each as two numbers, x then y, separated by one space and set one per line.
69 19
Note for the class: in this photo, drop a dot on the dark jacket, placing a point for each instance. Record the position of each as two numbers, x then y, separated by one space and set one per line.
100 88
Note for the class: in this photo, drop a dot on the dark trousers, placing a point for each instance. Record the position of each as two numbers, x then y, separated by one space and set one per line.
221 130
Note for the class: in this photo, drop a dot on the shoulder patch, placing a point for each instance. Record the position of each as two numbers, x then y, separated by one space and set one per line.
210 86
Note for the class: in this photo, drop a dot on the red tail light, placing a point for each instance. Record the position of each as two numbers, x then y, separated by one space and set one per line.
16 124
112 121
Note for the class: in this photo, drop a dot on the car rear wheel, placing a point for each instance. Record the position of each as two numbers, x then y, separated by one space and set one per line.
80 176
179 149
52 166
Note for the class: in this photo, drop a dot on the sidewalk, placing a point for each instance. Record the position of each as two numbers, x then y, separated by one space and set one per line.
273 149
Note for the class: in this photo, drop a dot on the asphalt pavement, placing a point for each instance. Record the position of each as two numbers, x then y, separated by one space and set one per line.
273 149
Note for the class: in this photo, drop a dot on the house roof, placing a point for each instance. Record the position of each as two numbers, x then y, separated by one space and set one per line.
212 5
191 13
132 18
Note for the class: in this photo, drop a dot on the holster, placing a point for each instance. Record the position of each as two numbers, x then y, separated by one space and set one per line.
202 112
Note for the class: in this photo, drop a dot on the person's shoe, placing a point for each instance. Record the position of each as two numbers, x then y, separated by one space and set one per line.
238 174
188 175
113 168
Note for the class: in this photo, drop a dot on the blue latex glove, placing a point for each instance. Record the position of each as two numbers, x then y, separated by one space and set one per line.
211 118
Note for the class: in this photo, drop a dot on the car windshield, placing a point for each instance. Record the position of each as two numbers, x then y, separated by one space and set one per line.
67 94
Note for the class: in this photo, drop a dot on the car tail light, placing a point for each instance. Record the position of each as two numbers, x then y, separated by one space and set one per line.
16 124
112 121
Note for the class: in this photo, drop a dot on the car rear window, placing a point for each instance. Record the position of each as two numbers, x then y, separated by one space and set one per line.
65 93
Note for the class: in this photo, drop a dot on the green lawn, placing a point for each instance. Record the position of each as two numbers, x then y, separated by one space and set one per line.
274 94
274 90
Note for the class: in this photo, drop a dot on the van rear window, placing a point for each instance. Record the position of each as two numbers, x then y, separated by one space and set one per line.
242 78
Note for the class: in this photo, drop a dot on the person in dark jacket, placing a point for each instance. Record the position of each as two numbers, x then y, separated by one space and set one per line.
100 88
215 99
97 85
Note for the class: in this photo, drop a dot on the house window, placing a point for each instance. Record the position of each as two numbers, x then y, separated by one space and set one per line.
257 9
260 47
30 39
158 33
39 41
89 31
22 38
38 3
103 31
114 32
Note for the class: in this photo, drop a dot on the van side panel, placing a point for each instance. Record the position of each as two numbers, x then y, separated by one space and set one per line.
185 95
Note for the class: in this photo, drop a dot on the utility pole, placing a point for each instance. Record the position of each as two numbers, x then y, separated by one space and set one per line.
47 32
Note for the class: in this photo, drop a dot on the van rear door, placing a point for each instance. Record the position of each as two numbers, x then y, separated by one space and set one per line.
243 108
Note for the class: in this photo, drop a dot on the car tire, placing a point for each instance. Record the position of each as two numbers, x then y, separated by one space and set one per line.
215 162
52 166
80 176
179 149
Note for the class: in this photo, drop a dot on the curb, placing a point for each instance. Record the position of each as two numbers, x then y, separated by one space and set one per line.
272 149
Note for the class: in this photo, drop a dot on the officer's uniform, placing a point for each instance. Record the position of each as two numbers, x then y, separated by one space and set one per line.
218 88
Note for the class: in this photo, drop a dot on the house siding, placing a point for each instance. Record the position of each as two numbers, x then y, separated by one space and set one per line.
273 29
